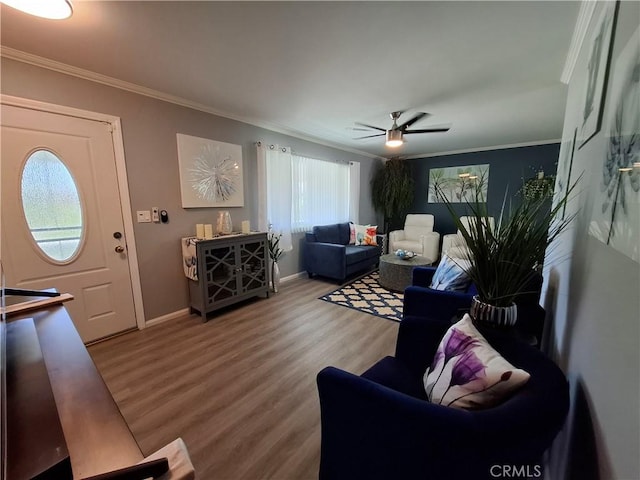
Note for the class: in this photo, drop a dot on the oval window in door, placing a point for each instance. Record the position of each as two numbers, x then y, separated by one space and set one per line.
51 205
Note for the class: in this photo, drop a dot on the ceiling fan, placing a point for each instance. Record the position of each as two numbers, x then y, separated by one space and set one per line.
395 135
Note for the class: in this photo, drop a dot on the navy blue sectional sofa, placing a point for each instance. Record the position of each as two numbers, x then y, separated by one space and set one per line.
327 252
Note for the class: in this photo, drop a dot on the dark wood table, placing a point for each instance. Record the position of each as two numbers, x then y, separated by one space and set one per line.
97 437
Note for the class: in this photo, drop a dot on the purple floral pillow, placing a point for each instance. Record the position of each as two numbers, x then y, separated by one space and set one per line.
468 373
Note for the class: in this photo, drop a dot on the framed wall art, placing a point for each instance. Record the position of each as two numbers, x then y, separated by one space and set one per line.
210 173
599 51
563 174
458 184
615 218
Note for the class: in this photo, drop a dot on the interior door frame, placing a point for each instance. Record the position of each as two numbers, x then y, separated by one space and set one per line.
123 184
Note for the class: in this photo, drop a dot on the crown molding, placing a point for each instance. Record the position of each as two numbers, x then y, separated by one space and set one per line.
486 149
42 62
587 8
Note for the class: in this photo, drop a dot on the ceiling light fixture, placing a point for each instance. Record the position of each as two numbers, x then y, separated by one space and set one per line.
52 9
394 138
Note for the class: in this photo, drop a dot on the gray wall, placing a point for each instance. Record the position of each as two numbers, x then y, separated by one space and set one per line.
508 169
149 130
592 294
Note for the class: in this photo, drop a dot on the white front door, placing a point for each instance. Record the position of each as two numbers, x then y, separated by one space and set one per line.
62 223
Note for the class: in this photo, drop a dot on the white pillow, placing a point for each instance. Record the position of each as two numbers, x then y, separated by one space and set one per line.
468 373
366 235
352 233
451 275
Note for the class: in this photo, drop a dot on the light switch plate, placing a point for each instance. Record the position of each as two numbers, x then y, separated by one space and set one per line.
144 216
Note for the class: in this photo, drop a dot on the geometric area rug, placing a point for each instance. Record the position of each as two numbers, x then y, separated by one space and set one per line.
366 295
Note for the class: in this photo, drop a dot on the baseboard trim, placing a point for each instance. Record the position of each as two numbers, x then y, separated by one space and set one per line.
185 311
289 278
168 317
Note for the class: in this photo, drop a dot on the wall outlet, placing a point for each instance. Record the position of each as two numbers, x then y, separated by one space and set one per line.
155 214
143 216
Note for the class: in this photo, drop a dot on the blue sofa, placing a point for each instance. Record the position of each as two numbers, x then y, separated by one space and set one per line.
380 425
327 252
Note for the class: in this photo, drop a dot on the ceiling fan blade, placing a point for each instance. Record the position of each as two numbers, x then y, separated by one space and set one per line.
371 136
428 130
358 129
413 120
370 126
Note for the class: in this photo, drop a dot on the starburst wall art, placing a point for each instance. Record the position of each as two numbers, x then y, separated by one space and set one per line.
615 219
210 173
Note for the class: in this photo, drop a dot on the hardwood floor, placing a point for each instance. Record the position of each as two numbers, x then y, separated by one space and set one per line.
240 389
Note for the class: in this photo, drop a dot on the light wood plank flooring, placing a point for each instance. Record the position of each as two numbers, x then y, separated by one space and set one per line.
240 389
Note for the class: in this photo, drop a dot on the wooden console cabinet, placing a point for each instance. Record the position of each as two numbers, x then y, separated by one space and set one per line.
230 269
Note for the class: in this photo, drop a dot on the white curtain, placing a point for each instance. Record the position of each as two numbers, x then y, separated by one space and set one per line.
295 193
320 193
354 192
274 191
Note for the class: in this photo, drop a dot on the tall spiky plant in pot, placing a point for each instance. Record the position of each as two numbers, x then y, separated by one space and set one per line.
503 258
392 190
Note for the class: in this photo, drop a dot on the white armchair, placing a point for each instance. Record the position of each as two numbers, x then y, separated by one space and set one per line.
454 244
418 236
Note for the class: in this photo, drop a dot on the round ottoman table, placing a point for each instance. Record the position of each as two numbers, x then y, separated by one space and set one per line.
395 273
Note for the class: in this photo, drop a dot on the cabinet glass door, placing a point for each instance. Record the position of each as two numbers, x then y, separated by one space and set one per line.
253 261
220 270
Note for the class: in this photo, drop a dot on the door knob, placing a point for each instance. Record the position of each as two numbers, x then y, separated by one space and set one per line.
119 249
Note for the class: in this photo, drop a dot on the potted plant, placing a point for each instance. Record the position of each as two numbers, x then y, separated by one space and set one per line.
504 257
539 186
275 252
392 190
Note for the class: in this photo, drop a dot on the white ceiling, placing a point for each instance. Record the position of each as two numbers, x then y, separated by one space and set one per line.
312 69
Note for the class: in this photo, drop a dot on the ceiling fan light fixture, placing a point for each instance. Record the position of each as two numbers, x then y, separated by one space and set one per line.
394 138
51 9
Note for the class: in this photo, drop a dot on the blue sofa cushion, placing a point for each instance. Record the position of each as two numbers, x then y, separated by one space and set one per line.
395 375
357 254
338 233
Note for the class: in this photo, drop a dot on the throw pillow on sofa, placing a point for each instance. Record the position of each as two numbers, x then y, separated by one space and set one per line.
366 235
468 373
352 233
451 275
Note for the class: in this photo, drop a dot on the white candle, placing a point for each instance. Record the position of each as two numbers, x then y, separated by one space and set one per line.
208 231
200 230
246 226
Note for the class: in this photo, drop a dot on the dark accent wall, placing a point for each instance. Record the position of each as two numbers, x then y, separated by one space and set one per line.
509 168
